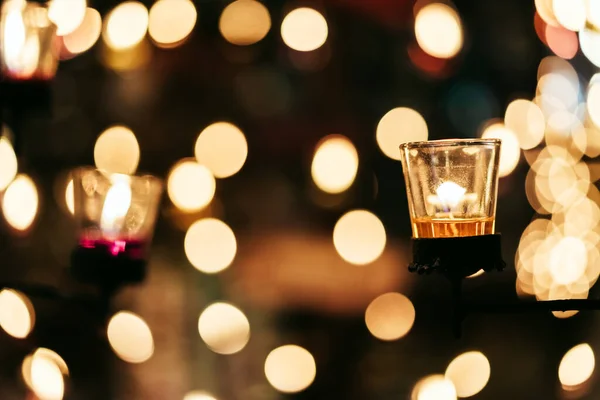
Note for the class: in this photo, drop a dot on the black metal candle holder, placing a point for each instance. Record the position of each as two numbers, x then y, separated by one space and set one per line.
459 257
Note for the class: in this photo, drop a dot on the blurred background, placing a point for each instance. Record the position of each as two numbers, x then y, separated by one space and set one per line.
278 266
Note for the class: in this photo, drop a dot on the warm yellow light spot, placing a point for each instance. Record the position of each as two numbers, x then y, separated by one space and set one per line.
17 315
67 15
359 237
222 147
8 163
290 368
510 152
304 29
224 328
526 121
199 395
334 164
397 126
438 30
70 197
20 203
190 186
390 316
546 12
593 101
469 372
46 377
568 260
434 387
593 12
130 337
589 40
210 245
126 25
577 365
52 383
117 151
245 22
171 21
86 35
570 13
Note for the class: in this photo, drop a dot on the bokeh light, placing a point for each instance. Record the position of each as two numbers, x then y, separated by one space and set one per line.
126 25
304 29
510 151
170 22
43 372
20 202
222 147
589 40
130 337
17 316
70 197
190 186
334 164
359 237
563 42
593 102
576 366
67 15
469 372
526 121
434 387
397 126
224 328
86 35
593 13
546 11
8 163
117 150
210 245
199 395
570 13
290 368
390 316
438 30
245 22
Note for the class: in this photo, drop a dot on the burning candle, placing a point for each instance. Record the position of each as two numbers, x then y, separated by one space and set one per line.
438 205
28 41
115 214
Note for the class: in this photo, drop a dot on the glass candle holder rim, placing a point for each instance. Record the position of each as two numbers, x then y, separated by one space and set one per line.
156 181
450 143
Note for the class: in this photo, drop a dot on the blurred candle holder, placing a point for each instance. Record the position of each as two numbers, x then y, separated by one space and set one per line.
452 188
28 46
115 216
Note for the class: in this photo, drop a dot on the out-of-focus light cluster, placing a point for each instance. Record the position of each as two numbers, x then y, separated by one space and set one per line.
245 22
510 152
130 337
557 256
86 35
290 368
67 15
562 22
17 315
335 164
43 372
438 30
126 25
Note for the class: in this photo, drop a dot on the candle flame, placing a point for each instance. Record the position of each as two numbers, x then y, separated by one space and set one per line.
450 194
21 54
116 206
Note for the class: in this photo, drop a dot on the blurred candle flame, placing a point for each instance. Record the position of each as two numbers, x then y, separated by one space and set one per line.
116 206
